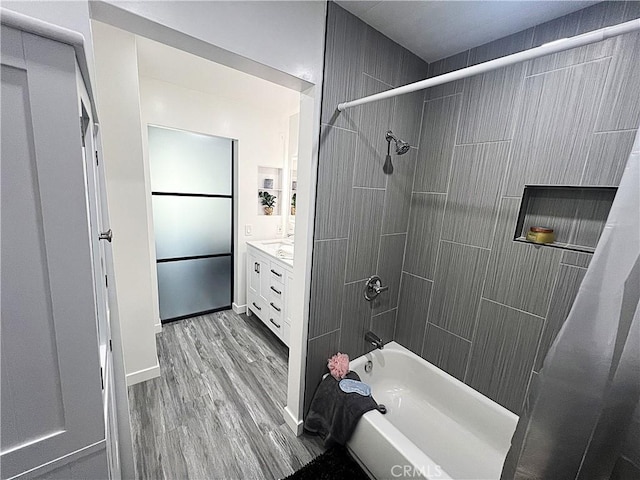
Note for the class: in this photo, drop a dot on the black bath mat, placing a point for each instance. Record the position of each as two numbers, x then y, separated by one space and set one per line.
334 464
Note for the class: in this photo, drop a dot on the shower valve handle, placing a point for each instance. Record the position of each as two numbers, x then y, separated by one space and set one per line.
374 287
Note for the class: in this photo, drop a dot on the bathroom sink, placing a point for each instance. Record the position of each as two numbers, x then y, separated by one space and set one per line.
279 248
278 244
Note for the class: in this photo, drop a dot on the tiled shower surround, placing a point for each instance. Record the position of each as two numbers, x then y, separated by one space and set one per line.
439 231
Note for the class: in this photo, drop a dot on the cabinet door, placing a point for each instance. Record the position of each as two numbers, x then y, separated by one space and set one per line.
265 280
51 405
253 267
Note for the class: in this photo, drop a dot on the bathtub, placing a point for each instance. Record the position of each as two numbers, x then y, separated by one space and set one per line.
436 427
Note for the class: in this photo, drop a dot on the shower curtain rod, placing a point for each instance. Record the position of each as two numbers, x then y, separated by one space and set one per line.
546 49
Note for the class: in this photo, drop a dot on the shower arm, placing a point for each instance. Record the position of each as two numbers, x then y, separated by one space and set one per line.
546 49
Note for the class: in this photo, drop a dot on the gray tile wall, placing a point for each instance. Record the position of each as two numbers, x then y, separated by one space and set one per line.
362 215
472 301
438 231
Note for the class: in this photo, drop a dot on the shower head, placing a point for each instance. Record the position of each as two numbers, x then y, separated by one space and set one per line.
402 147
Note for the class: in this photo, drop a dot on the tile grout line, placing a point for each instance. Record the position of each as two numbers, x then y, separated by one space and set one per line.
605 57
330 125
466 245
563 264
331 239
486 142
377 79
512 308
449 332
440 98
325 334
385 312
417 276
368 188
599 132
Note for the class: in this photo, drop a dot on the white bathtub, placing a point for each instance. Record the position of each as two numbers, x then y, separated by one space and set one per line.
436 427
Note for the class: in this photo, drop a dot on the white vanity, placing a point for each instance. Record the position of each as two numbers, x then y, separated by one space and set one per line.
269 282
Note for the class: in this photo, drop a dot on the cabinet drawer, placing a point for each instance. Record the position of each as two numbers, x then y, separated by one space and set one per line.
277 291
257 306
275 325
277 272
276 310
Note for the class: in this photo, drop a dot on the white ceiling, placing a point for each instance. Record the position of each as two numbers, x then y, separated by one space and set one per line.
437 29
162 62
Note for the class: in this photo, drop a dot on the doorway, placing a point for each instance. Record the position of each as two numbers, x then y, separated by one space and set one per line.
191 106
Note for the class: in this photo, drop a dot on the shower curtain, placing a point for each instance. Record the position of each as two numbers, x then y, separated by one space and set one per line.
578 411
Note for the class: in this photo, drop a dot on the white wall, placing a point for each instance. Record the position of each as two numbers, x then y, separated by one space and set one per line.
261 134
118 105
287 36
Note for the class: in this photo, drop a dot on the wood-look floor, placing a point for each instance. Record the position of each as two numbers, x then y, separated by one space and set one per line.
216 411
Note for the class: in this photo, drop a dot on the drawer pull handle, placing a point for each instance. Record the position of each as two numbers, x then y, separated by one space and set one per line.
277 291
271 320
254 304
256 267
275 307
276 273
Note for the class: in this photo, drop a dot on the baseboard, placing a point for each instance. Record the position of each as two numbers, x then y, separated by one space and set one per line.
292 422
143 375
158 328
239 308
70 460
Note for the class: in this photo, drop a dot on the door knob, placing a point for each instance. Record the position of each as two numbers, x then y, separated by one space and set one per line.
108 235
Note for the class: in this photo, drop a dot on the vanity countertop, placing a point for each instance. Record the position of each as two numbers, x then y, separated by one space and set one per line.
271 248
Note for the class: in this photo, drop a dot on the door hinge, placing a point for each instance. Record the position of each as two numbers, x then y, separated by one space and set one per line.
110 346
97 162
101 379
106 282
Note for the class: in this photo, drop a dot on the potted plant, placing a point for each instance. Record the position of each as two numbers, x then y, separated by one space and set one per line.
293 204
268 201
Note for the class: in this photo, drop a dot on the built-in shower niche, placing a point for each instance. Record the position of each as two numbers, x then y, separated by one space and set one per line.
577 214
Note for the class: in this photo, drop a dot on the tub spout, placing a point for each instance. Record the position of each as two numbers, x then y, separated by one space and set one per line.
374 340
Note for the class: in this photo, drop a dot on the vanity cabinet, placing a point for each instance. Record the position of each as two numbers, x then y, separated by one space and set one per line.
268 280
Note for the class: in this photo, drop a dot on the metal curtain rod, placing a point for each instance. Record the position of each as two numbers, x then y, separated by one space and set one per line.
546 49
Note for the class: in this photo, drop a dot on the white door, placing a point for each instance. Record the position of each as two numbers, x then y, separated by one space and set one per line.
51 387
254 273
